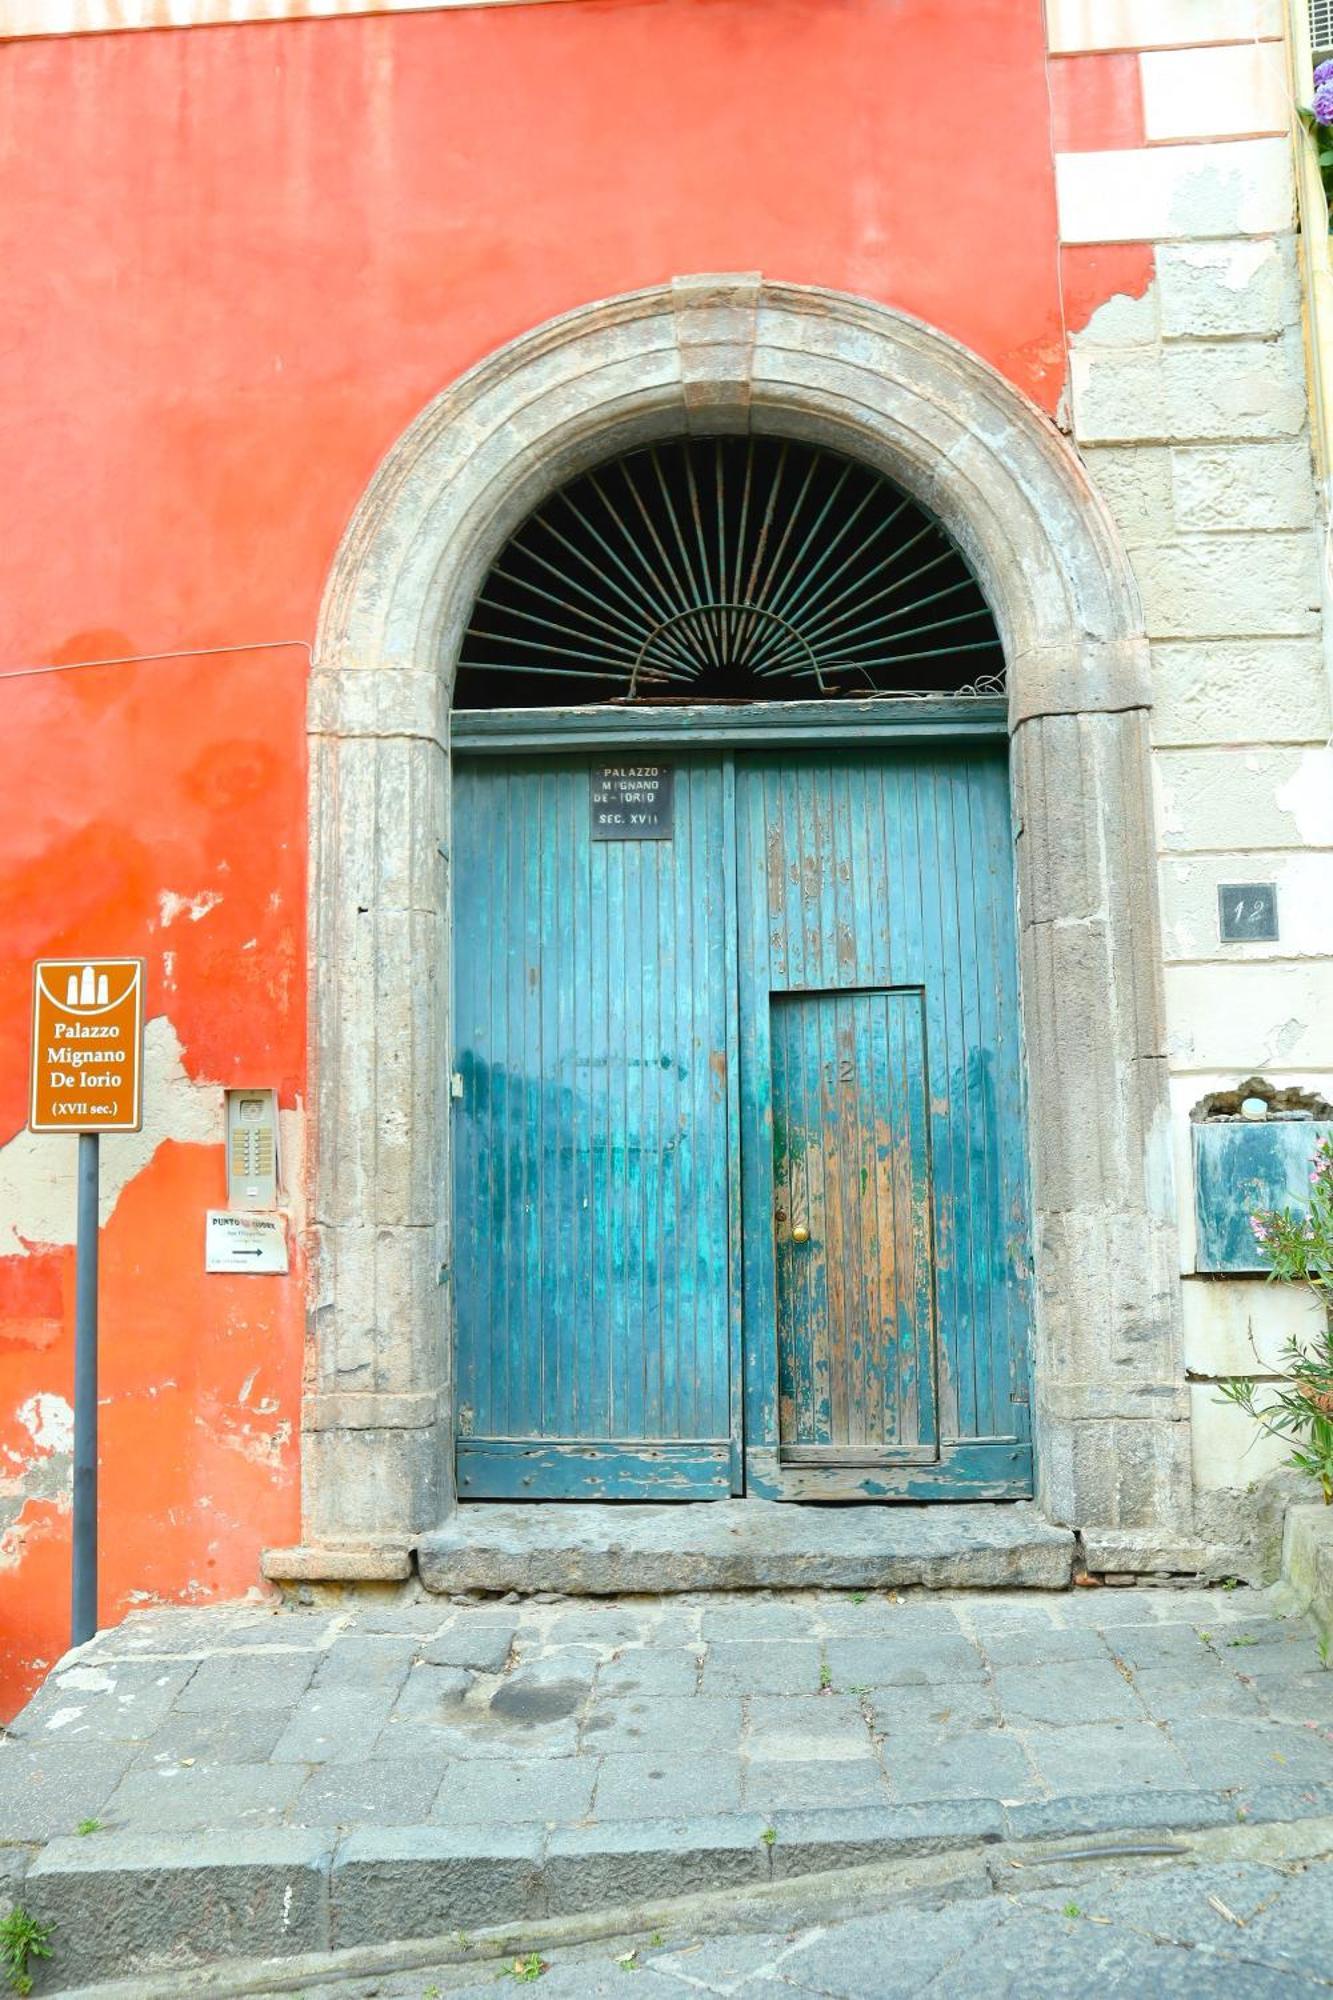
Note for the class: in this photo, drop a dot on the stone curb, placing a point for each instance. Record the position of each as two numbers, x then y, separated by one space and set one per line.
137 1903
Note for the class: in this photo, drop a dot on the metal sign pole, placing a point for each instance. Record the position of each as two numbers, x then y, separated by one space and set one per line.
85 1395
87 1077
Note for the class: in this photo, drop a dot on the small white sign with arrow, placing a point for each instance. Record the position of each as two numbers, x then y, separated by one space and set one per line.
245 1242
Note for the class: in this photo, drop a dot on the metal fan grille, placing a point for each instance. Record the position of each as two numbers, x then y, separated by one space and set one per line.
731 569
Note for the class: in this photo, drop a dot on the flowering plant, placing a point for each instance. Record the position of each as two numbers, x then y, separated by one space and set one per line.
1317 118
1299 1246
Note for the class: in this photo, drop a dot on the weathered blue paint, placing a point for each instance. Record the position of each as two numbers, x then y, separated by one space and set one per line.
891 874
851 1226
1242 1167
831 938
591 1150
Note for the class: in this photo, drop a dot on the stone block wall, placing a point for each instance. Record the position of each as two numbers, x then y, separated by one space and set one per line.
1188 400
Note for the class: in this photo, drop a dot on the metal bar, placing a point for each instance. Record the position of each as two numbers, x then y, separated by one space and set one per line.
696 511
808 604
700 597
789 605
83 1622
586 523
853 647
889 590
935 653
662 602
614 621
651 526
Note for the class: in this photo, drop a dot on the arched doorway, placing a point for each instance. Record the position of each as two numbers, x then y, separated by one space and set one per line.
739 1192
716 356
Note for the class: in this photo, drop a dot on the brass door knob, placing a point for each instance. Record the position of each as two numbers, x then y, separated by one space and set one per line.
800 1234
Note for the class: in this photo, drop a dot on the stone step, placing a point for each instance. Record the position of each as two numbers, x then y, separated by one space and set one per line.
603 1550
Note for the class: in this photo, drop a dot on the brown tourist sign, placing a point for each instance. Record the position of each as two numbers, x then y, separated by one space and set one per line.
87 1045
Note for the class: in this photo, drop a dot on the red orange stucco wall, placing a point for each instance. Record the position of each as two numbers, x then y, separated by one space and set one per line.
237 262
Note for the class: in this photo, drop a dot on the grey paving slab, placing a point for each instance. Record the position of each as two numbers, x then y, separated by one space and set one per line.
471 1730
1182 1650
1304 1697
681 1725
887 1616
645 1670
1268 1652
546 1686
1175 1697
238 1628
378 1791
204 1798
366 1660
985 1764
266 1678
1106 1757
762 1667
1112 1609
1067 1692
417 1620
906 1660
201 1736
604 1627
491 1791
124 1701
483 1644
1251 1753
805 1728
46 1792
846 1782
1034 1645
334 1725
729 1622
951 1710
657 1787
431 1693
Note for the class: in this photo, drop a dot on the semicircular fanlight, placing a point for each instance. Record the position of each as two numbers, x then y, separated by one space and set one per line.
731 569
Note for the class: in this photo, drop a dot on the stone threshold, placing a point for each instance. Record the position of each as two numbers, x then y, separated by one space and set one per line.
605 1550
143 1903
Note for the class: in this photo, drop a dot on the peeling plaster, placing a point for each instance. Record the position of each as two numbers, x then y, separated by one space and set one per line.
170 906
49 1422
37 1169
1308 797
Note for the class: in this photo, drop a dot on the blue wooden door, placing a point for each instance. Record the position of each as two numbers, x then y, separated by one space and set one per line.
593 1149
741 1109
886 1353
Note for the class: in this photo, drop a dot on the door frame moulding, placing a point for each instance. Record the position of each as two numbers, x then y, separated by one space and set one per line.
735 352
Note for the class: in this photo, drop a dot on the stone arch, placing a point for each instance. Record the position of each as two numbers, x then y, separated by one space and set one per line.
735 352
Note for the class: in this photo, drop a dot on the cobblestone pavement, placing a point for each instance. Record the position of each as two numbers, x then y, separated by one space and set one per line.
1221 1930
583 1710
254 1779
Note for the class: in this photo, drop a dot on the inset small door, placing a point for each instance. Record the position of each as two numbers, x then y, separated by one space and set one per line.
852 1229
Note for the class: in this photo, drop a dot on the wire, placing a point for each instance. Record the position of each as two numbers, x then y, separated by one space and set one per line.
143 659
